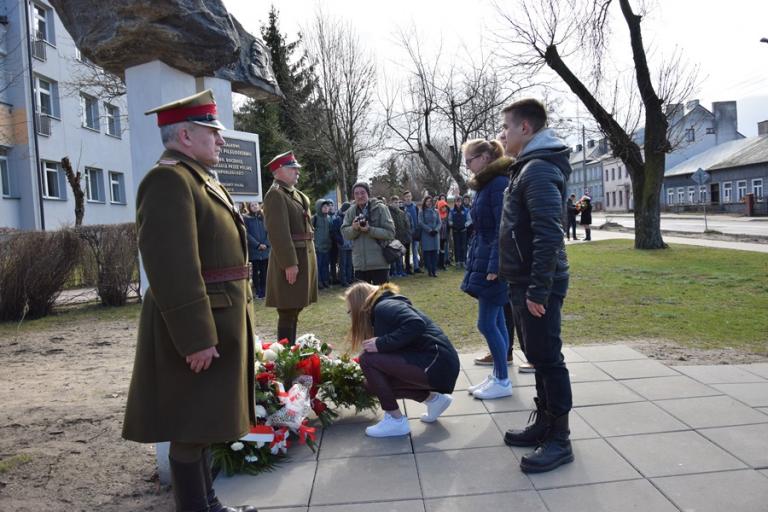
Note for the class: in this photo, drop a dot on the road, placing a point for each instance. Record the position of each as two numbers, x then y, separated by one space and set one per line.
694 224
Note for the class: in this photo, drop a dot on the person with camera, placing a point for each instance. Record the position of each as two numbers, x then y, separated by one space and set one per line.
368 224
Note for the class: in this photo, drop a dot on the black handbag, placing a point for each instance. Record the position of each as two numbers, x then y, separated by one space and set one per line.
392 250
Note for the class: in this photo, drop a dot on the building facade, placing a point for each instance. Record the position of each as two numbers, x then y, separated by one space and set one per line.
48 111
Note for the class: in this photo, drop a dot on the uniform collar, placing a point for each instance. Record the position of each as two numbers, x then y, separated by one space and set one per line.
203 171
285 185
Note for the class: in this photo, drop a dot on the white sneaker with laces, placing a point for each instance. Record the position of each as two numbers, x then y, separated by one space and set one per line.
481 385
436 407
494 390
389 426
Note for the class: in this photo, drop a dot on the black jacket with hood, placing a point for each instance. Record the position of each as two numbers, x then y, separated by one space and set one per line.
532 255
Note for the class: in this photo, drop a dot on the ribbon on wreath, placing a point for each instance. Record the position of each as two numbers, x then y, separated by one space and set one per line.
307 431
311 366
280 442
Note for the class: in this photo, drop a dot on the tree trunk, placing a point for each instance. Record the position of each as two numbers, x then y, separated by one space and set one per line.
73 178
647 191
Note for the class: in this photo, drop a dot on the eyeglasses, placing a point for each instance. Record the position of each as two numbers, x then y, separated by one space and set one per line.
469 161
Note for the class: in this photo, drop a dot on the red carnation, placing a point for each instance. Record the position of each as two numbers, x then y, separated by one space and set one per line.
318 406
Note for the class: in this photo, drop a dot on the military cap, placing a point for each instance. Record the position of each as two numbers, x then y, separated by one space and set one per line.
283 160
199 108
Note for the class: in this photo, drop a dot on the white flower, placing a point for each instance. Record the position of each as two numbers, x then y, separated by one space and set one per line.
251 458
261 412
260 444
237 446
276 348
270 355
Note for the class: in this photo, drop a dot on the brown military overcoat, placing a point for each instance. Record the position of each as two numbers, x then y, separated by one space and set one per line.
187 224
287 216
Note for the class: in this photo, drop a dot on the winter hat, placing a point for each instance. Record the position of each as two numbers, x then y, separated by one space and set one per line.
362 184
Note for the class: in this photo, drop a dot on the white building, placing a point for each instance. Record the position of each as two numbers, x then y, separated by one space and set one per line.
42 120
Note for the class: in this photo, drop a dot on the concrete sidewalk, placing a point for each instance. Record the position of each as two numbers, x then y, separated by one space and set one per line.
598 234
647 437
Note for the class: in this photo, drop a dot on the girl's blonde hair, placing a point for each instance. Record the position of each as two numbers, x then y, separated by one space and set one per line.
480 146
360 298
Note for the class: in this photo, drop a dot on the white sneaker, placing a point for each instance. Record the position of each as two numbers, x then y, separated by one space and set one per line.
481 385
389 426
494 390
436 407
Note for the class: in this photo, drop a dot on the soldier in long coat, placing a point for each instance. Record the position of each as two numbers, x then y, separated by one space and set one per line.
292 268
192 380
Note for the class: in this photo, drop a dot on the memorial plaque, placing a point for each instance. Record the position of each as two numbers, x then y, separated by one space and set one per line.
239 164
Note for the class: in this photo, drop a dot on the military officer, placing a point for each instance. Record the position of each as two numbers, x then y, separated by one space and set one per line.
193 371
292 267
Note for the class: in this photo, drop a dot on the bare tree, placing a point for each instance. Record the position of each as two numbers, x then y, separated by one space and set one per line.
88 76
74 178
342 121
540 34
445 102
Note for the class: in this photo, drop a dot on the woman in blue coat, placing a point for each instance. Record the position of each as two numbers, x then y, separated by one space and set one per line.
405 355
489 167
429 221
258 248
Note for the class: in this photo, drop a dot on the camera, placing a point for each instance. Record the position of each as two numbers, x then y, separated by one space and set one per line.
361 220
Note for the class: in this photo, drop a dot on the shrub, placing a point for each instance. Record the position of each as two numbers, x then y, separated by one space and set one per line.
112 251
34 266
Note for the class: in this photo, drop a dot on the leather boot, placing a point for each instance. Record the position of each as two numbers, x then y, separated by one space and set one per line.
214 505
554 451
533 434
188 486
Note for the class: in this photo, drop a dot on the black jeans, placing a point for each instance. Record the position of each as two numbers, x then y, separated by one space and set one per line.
259 277
460 245
377 277
389 376
543 346
571 226
512 327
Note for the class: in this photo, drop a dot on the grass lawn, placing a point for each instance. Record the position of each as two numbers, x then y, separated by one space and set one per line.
694 296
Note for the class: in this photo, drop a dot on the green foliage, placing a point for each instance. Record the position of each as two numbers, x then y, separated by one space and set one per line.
342 385
7 465
261 459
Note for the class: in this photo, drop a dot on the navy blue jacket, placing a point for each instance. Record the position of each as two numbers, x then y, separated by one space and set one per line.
401 328
531 234
483 251
257 235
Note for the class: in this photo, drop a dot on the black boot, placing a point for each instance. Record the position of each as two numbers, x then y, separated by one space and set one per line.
554 451
533 434
214 505
188 486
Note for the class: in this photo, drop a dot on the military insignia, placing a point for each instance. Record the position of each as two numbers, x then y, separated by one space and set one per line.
167 162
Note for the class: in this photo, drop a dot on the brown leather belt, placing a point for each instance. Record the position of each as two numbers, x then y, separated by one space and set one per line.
222 275
302 236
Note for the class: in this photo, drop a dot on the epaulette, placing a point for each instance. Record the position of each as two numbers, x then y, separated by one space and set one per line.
167 162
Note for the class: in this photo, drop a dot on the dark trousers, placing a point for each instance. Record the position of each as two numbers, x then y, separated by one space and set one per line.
259 277
333 261
323 268
408 268
346 272
512 328
376 277
390 376
460 245
571 227
287 321
543 348
430 261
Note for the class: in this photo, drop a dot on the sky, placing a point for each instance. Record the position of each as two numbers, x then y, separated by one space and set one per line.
722 38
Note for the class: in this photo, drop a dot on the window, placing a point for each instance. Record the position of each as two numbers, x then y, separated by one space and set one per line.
113 120
94 185
691 195
670 196
607 200
53 181
613 197
690 135
727 189
47 97
680 195
117 187
613 174
606 175
703 194
89 107
757 188
741 190
40 22
621 196
5 177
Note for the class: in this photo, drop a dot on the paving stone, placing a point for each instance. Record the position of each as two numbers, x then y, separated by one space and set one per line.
385 506
467 359
760 369
344 441
348 415
457 472
753 394
764 472
454 433
463 403
764 410
571 356
602 393
636 369
711 411
628 496
521 400
586 372
748 442
579 428
596 353
662 388
462 382
519 501
478 374
361 479
288 487
719 374
595 461
734 491
674 453
626 419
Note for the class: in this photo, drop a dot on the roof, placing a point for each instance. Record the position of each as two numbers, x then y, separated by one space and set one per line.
735 153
